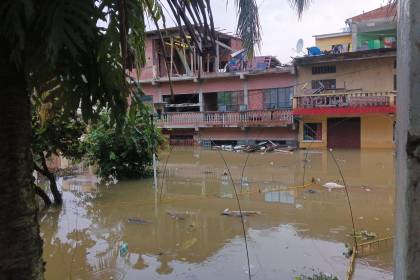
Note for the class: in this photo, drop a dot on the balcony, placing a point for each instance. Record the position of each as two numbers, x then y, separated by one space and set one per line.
268 118
344 103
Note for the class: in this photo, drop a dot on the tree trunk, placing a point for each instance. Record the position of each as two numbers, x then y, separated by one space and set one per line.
58 199
20 242
41 193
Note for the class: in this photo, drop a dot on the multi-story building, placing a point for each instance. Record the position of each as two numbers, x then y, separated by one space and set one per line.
371 30
345 97
217 96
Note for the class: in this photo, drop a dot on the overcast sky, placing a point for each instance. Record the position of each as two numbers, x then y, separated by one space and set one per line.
281 28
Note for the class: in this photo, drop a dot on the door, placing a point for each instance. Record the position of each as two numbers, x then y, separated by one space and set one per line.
343 133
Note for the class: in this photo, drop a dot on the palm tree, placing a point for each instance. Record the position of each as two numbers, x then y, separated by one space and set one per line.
74 53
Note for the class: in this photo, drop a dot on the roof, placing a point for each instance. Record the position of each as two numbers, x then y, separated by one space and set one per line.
176 30
346 56
331 35
387 11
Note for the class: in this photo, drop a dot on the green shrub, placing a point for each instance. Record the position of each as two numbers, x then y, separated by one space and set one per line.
123 151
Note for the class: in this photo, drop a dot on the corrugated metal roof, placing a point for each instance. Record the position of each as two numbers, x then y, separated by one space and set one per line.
382 12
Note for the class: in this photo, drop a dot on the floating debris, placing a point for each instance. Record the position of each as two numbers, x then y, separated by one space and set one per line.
348 252
332 185
176 216
137 221
123 249
227 212
365 235
311 191
189 243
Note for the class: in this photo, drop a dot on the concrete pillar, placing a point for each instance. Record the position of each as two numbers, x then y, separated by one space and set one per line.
407 239
354 40
246 93
201 99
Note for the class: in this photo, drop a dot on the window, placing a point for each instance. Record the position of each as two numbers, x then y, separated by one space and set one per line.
326 84
229 100
275 98
312 131
323 69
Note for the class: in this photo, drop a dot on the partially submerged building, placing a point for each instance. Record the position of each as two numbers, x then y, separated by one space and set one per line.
218 96
345 93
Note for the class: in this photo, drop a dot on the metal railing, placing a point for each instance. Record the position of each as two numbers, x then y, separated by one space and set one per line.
359 99
278 117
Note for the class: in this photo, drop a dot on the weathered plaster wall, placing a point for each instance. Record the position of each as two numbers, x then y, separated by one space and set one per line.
377 131
255 99
147 71
326 43
322 144
272 133
255 84
373 75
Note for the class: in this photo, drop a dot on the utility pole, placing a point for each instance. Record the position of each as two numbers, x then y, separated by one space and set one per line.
154 155
407 218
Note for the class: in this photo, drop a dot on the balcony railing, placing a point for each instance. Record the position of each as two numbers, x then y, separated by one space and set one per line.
349 100
280 117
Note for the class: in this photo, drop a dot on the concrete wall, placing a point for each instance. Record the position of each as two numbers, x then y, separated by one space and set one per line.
373 75
326 43
322 144
255 84
257 133
376 131
255 99
147 71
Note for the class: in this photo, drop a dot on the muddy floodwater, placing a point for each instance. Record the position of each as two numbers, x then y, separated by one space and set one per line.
129 231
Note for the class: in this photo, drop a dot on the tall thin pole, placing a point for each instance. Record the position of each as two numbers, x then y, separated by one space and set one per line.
154 156
407 222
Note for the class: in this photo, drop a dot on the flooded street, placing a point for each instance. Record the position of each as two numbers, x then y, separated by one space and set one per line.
179 232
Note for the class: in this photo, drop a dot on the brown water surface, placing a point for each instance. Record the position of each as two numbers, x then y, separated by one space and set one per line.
297 231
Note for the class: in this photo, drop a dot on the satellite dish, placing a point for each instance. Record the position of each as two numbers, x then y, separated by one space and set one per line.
299 45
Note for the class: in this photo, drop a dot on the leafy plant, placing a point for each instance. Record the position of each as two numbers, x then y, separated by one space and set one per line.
317 276
55 133
125 151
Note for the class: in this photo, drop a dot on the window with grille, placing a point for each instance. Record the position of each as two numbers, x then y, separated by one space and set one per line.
326 84
275 98
230 100
312 131
324 69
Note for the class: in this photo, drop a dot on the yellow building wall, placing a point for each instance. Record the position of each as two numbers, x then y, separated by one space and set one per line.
372 75
313 144
325 43
377 131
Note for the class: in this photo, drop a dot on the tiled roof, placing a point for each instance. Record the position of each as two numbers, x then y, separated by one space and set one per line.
382 12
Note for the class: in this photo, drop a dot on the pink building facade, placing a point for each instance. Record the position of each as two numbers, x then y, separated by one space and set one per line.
211 101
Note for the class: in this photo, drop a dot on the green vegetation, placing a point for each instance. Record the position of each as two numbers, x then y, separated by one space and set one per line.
77 51
54 134
317 276
124 151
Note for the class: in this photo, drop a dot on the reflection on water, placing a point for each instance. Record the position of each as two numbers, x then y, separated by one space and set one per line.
185 236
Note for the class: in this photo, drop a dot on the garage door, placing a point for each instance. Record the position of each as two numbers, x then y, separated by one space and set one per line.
343 133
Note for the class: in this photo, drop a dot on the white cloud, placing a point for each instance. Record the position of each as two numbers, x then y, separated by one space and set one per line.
281 28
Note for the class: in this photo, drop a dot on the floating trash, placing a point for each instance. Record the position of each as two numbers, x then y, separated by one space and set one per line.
332 185
123 249
137 221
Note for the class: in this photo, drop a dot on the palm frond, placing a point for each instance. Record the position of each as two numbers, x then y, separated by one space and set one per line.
300 6
248 27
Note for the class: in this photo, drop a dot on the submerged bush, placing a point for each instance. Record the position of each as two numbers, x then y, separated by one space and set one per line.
123 151
317 276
